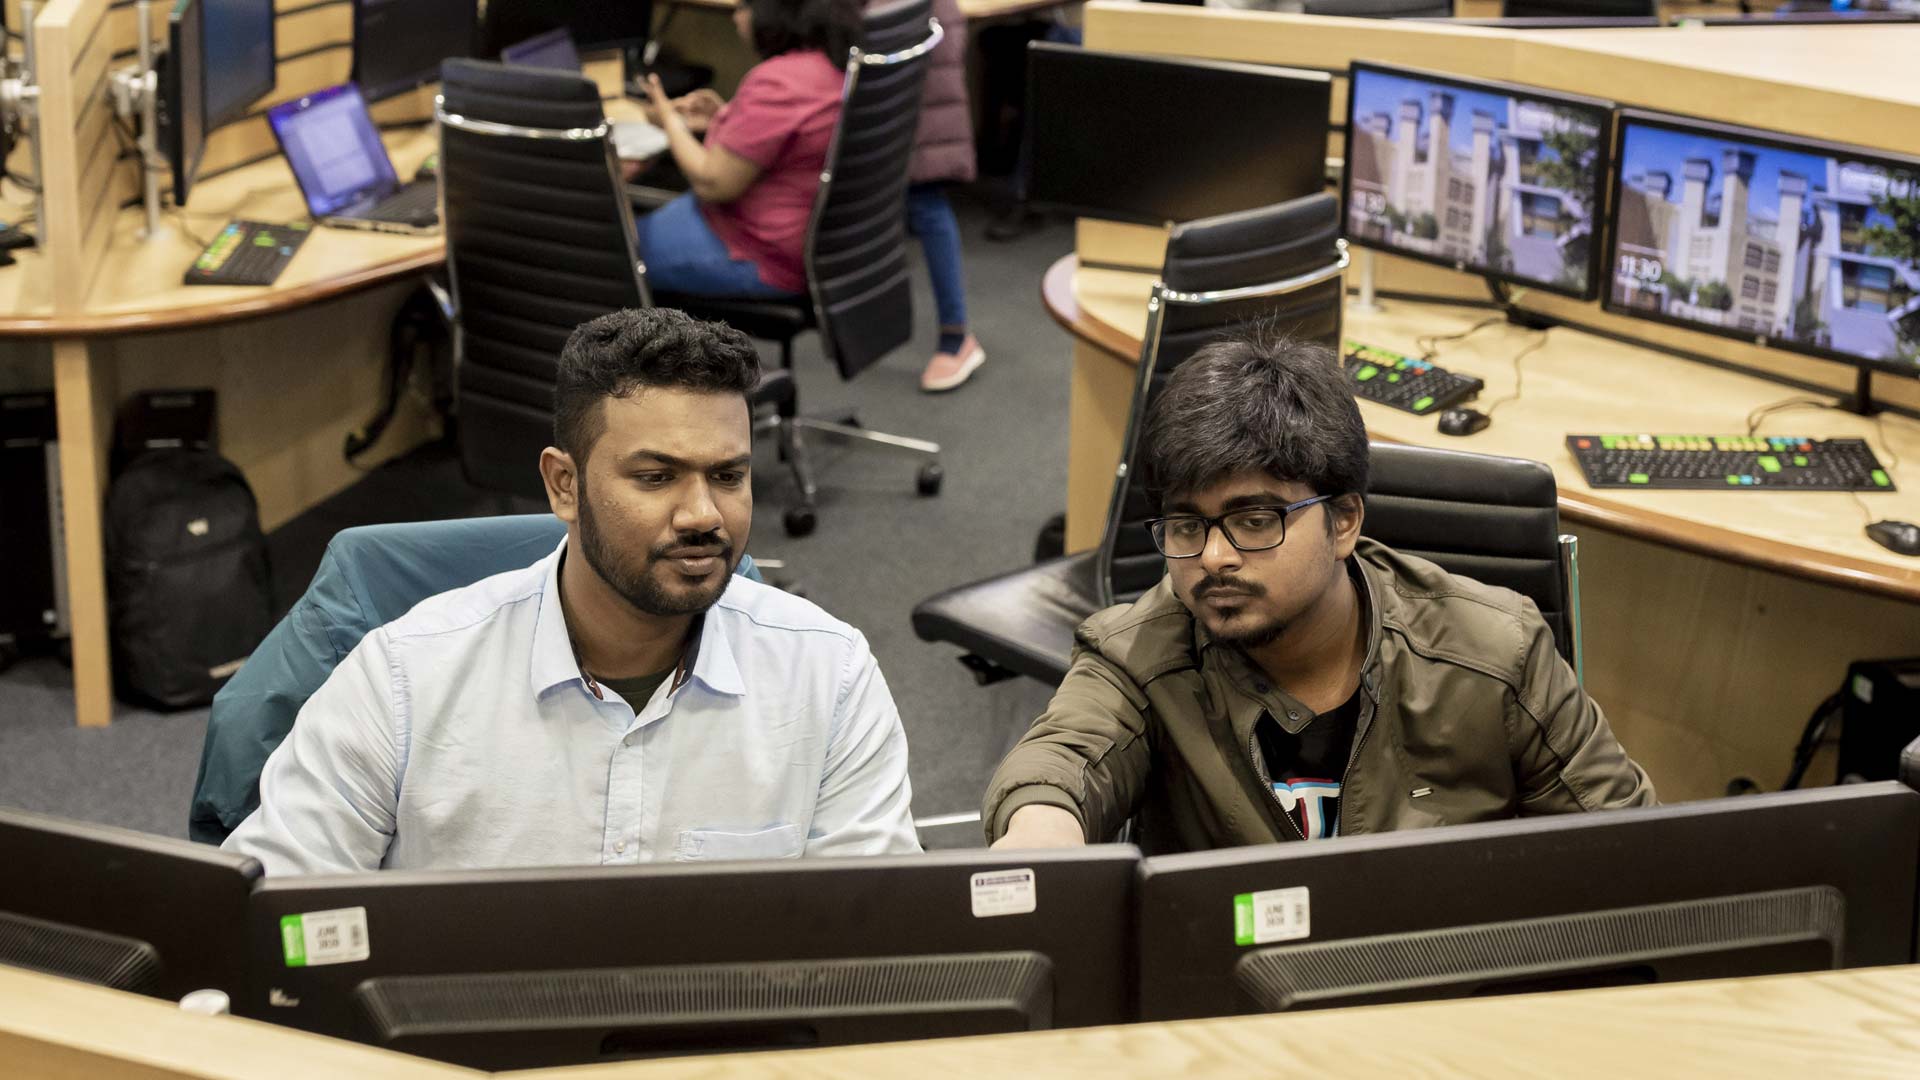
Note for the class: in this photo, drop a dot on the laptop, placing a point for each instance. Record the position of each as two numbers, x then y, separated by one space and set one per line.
633 140
343 168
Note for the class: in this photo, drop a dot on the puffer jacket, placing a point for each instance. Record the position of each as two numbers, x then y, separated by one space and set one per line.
1467 714
943 147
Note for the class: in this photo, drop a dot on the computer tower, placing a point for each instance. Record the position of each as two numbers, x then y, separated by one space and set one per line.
1879 715
33 591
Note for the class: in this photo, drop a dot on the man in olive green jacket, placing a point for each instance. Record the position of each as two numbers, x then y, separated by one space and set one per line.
1287 679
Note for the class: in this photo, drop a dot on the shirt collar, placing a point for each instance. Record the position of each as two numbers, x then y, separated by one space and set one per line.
554 662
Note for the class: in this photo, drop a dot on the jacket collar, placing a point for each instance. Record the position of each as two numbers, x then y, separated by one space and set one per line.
554 663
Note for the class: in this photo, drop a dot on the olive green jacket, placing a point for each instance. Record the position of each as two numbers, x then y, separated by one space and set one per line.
1468 714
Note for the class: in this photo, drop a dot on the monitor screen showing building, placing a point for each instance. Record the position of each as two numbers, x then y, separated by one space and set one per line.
1805 246
1494 179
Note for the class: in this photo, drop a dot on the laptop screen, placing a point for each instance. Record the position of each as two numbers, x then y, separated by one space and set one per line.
553 49
333 149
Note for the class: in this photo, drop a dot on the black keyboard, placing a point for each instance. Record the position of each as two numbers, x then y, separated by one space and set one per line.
247 253
415 204
1720 462
1404 383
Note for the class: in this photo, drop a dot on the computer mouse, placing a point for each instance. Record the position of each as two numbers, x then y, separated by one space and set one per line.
1899 537
1463 422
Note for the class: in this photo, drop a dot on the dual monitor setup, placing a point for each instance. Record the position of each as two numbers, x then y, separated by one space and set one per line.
220 60
1792 243
541 967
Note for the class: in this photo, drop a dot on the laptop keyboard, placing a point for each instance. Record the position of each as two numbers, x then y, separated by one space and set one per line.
415 204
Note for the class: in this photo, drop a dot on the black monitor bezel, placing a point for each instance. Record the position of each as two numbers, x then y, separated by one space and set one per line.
1602 208
1298 75
209 121
185 168
423 77
1776 140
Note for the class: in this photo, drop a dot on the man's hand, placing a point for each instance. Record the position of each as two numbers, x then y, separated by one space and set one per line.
1038 825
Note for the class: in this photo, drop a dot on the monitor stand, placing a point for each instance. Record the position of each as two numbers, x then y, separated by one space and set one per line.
1861 402
1367 301
136 96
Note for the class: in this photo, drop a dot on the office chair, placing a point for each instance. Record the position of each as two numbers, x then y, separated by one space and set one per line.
1578 9
1283 263
369 576
858 296
1380 9
540 239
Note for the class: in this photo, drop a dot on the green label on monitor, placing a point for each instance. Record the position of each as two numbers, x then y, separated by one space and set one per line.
293 941
1242 919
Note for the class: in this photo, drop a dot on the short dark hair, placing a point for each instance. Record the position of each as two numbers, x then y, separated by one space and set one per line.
615 355
1259 399
832 26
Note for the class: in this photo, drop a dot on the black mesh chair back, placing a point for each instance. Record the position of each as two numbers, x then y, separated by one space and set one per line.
540 239
1282 264
1380 9
1493 519
857 247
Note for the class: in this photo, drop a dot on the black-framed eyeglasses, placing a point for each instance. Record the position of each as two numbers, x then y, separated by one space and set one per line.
1250 528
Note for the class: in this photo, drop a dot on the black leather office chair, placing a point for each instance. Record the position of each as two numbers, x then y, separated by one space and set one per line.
858 296
1283 263
1380 9
540 239
1578 9
1493 519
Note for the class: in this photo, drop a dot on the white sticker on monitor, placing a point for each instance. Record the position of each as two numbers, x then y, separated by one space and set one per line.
325 937
1004 892
1263 918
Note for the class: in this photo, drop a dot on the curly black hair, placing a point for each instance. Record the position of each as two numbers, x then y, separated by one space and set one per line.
615 355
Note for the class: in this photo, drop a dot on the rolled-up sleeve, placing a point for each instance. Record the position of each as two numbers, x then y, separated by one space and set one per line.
330 792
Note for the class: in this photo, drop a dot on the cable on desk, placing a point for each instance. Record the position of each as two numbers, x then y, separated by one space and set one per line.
1537 344
1429 344
1891 458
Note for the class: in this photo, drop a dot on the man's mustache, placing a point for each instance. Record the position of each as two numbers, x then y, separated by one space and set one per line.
1236 586
694 545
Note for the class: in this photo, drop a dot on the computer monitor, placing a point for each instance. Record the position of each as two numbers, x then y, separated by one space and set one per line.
126 910
528 968
398 44
594 24
1157 140
181 106
1489 178
553 49
237 44
1802 245
1799 881
1578 9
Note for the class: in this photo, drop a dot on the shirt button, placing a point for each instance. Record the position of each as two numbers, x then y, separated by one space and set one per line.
628 741
1291 715
619 847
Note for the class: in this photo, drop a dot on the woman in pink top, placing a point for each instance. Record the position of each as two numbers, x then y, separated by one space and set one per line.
740 231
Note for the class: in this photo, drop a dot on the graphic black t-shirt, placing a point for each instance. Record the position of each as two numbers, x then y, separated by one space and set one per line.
1307 768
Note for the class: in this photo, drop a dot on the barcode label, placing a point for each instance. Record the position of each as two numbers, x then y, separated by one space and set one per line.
325 937
1004 892
1262 918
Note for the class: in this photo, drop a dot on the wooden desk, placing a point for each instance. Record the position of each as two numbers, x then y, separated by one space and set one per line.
297 364
1713 621
1850 1023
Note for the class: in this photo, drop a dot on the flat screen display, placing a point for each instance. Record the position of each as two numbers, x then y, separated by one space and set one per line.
333 149
398 44
1489 178
237 49
1792 243
1156 140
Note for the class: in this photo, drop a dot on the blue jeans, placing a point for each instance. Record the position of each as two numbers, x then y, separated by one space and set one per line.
930 217
683 255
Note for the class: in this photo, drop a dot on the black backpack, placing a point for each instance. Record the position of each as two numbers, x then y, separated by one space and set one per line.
188 582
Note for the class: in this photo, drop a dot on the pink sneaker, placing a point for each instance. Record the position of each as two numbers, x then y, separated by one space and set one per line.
948 370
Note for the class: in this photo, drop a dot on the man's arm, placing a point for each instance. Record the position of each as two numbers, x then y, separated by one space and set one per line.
1086 756
1566 758
865 805
329 793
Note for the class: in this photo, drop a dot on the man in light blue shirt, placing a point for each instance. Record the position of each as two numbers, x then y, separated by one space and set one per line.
626 699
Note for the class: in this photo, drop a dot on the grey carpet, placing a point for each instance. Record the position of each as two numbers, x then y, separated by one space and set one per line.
879 548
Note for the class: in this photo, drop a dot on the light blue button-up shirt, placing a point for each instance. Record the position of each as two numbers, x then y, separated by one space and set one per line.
463 735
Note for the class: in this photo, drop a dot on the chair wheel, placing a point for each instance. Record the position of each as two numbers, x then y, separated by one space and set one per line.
799 521
929 479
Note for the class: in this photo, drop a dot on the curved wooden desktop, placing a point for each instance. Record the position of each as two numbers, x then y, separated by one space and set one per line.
1713 621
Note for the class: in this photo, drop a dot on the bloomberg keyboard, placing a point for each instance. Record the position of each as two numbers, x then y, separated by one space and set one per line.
1405 383
1721 462
247 253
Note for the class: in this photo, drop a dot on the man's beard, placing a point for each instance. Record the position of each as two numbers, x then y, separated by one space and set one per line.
641 587
1251 635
